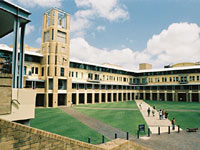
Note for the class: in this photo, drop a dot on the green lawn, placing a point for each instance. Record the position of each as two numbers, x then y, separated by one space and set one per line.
56 121
186 119
174 105
127 104
127 121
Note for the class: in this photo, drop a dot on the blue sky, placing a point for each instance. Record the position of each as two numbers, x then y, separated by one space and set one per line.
124 32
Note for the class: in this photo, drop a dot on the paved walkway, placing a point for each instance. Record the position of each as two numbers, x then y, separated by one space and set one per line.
97 108
154 122
104 129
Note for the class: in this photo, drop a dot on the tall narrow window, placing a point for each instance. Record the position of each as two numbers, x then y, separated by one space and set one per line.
62 71
25 70
55 60
32 69
52 33
55 71
42 72
48 59
48 71
36 70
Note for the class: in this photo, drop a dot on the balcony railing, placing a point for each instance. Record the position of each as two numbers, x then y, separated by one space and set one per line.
183 82
93 80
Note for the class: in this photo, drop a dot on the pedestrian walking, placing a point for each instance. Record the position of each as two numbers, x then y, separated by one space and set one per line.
163 114
173 124
153 112
140 105
166 114
160 114
148 111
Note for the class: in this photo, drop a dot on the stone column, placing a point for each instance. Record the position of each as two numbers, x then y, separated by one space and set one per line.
85 98
151 95
100 97
165 95
77 98
131 98
93 97
112 96
106 97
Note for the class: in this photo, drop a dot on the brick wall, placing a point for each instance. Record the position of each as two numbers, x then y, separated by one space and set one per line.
14 136
6 93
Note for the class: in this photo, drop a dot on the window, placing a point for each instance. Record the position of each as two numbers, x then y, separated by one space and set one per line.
55 60
42 72
48 59
32 69
62 71
76 74
177 79
72 74
55 71
170 79
197 78
36 70
69 73
90 76
50 84
48 71
52 33
174 79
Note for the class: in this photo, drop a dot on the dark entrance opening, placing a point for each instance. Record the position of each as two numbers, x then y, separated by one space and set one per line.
89 98
141 96
120 96
195 97
132 96
109 97
81 98
39 100
182 97
154 96
147 96
169 96
96 97
162 96
103 97
114 97
129 96
50 100
61 99
74 98
124 97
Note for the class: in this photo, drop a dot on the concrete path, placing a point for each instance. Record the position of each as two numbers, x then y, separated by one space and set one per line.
97 108
104 129
154 122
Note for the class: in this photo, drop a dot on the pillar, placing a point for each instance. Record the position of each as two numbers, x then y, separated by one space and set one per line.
106 97
93 97
144 95
165 96
117 97
122 96
100 97
21 65
112 96
77 98
151 95
85 98
158 96
15 52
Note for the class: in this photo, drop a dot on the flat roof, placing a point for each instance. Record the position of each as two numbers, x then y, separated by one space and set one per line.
4 47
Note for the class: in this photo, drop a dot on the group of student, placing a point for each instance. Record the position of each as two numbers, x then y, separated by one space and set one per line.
163 114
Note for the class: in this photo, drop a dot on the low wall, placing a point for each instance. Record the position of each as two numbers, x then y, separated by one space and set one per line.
17 136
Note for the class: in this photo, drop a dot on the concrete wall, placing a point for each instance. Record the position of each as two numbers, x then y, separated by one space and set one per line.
17 136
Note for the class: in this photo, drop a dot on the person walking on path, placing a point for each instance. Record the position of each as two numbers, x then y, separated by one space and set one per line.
166 114
173 124
148 111
153 112
163 114
160 114
140 105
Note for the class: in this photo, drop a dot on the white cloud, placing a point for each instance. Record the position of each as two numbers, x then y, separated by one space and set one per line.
179 43
101 28
41 3
29 29
38 40
111 10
